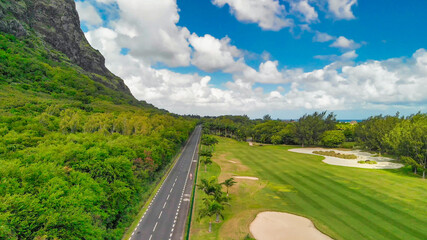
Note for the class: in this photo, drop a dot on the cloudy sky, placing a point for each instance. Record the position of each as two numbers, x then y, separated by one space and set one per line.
279 57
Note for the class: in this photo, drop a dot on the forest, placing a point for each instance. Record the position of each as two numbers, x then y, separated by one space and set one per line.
403 137
77 158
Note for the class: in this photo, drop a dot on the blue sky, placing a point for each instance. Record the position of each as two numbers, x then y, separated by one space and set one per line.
284 58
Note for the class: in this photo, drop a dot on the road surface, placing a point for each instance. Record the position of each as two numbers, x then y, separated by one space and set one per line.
167 213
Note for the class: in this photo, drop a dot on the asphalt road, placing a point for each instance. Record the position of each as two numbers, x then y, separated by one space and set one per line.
167 213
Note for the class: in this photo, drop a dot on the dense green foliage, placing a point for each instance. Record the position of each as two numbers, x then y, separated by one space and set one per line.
345 203
405 138
74 163
332 138
307 130
28 64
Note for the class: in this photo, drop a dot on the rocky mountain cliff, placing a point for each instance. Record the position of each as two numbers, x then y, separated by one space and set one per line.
57 23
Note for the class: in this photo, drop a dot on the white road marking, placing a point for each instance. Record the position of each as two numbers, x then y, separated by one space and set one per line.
154 229
151 236
164 205
160 214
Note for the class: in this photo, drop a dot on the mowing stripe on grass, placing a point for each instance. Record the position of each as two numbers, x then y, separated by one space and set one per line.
368 211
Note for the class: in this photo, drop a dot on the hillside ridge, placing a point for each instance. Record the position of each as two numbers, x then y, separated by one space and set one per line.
56 23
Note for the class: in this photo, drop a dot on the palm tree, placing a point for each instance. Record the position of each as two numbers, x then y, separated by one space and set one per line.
206 161
210 208
228 183
210 187
205 153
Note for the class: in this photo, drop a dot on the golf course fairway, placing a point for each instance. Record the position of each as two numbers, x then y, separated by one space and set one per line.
344 203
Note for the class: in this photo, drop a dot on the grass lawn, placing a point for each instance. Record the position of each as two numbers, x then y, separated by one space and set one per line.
344 203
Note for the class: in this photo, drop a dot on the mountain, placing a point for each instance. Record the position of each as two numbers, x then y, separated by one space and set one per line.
58 25
50 31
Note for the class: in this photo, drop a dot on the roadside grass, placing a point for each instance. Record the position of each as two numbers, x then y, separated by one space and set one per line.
344 203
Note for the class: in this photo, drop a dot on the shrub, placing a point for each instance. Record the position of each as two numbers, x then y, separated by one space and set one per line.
332 138
334 154
367 162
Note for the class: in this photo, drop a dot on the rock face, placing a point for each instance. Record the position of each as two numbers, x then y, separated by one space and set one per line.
57 23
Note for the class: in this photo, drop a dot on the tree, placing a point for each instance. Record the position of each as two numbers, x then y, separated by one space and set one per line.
332 138
206 161
208 141
210 208
228 183
205 153
370 132
266 118
309 128
210 187
408 140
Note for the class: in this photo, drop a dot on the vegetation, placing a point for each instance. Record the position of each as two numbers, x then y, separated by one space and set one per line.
310 128
405 138
335 154
76 157
345 203
367 162
214 200
332 138
228 183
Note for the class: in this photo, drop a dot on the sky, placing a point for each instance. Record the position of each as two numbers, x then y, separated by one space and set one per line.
356 58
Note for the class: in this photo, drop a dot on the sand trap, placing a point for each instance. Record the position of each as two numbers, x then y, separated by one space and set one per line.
251 143
284 226
245 177
382 162
232 161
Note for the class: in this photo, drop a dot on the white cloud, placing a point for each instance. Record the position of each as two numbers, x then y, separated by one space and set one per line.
88 14
344 58
345 43
149 29
334 87
268 14
322 37
339 85
303 7
267 73
341 9
211 54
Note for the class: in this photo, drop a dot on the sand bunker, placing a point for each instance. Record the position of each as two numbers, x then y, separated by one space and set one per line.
382 162
284 226
232 161
245 177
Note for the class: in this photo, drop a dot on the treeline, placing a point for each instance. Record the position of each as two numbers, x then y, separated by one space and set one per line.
405 138
318 128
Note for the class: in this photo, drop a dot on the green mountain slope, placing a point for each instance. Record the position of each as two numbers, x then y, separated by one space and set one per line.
78 153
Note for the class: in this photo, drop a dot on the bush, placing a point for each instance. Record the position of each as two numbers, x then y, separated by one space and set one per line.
348 144
332 138
334 154
367 162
